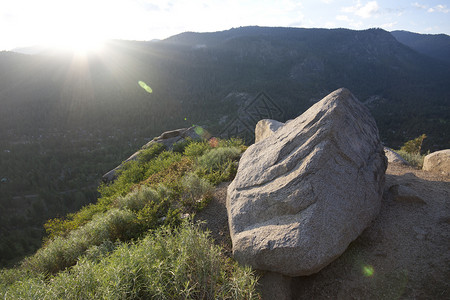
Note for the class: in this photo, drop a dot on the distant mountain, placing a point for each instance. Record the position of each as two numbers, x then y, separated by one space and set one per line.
433 45
31 49
196 72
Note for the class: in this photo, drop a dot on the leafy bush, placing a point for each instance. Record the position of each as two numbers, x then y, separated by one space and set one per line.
196 149
98 252
162 162
234 143
219 164
214 158
60 227
155 166
171 174
180 146
161 211
196 191
166 264
134 172
414 159
410 151
413 146
63 252
137 199
151 152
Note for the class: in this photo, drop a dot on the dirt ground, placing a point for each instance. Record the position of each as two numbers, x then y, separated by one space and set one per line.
404 254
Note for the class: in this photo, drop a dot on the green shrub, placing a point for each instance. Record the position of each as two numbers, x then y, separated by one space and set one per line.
414 159
219 164
413 146
214 158
167 264
162 162
63 252
234 143
98 252
136 200
196 149
151 152
61 227
134 172
179 147
196 191
154 214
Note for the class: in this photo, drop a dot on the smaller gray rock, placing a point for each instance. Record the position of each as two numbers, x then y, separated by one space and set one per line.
438 162
265 128
394 157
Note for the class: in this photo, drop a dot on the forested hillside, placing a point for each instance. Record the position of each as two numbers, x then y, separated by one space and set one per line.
66 119
433 45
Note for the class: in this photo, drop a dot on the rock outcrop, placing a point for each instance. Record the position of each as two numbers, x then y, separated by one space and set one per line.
168 139
302 194
394 157
438 162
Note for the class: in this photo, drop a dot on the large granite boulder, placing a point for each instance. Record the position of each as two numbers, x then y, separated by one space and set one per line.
438 162
302 194
168 139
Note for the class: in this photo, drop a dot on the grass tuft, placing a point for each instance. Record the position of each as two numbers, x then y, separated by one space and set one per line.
167 264
414 159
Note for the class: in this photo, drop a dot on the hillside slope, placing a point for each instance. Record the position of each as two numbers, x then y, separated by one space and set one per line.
138 241
433 45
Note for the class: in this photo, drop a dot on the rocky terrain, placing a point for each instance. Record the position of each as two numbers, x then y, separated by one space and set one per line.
403 254
312 210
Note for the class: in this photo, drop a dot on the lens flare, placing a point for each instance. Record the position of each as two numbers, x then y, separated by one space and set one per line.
368 270
145 87
202 132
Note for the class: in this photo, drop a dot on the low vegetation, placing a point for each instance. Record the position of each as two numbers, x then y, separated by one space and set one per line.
411 151
168 263
138 241
414 159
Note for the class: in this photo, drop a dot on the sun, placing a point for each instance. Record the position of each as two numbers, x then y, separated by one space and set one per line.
78 41
78 26
80 45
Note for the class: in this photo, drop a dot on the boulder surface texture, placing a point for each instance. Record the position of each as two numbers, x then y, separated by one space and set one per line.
265 128
302 194
438 162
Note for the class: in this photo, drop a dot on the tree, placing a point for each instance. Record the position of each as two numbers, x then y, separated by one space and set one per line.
414 146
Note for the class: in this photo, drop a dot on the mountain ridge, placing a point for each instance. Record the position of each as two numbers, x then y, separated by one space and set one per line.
432 45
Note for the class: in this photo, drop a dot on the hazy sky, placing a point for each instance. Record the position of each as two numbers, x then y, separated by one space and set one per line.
84 22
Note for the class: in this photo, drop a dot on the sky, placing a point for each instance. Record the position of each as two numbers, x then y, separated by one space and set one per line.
85 23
